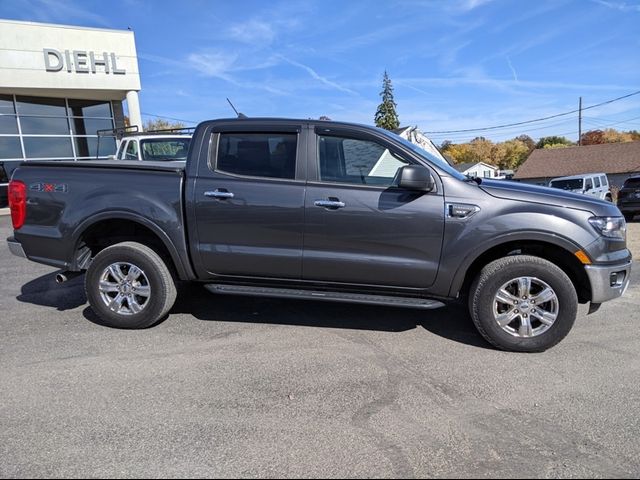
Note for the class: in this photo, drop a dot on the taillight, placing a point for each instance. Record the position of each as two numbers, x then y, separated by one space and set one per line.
17 203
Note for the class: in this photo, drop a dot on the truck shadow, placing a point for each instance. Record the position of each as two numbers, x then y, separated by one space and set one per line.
46 292
452 322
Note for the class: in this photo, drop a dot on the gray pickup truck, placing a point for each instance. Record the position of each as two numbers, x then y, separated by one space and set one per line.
325 211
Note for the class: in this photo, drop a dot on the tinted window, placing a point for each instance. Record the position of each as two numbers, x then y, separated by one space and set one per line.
165 149
596 182
89 108
10 147
41 106
44 125
8 124
346 160
270 155
604 180
632 183
47 147
6 104
89 126
574 184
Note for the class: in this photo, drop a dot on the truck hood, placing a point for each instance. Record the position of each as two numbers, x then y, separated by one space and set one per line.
549 196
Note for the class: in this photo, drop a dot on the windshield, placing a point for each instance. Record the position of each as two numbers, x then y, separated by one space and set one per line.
433 156
632 183
159 149
573 184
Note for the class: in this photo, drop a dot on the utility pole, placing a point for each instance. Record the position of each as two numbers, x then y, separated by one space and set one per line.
580 123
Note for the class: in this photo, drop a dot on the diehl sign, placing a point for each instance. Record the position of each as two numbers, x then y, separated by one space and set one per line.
80 61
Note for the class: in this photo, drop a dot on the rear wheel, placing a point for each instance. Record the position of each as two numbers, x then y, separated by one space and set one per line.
128 285
523 303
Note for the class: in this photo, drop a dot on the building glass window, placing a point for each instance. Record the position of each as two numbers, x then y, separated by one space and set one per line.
10 147
54 128
48 147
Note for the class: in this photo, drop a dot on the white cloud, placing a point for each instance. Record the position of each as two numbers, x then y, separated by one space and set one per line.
622 6
468 5
316 76
254 32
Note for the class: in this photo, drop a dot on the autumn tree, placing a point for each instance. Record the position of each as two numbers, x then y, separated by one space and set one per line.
528 141
161 124
593 137
386 116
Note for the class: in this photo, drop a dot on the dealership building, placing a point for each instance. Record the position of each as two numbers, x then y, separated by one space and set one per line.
59 85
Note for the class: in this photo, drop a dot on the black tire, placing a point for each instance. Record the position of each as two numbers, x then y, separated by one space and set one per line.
499 272
156 276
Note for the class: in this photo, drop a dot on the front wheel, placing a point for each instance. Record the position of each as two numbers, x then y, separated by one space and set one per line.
523 303
128 285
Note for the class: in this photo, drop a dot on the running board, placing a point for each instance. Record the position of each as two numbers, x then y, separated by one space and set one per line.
421 303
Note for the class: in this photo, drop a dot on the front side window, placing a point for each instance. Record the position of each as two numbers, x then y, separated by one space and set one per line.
271 155
588 184
132 150
361 162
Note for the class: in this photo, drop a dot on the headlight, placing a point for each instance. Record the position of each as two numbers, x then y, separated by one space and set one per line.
610 227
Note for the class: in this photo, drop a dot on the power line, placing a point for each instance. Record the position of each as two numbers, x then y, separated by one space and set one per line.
495 127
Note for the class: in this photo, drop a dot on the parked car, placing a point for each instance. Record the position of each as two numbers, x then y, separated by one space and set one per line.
321 210
593 184
629 198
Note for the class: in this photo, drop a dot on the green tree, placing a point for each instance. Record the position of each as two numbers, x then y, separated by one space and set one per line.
386 115
553 140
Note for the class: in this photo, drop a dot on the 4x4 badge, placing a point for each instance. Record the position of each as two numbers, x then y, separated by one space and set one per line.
49 187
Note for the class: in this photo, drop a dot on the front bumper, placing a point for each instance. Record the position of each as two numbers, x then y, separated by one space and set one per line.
608 282
16 248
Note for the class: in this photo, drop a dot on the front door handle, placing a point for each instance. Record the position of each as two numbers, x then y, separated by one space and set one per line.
332 204
219 194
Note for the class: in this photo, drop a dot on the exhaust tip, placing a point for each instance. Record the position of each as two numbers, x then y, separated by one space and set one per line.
61 278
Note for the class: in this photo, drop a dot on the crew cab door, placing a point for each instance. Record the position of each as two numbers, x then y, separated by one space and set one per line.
248 199
360 228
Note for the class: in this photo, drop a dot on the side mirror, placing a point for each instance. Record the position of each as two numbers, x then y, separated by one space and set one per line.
416 177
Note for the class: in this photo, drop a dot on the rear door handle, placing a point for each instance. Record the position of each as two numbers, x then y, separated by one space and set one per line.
219 194
332 204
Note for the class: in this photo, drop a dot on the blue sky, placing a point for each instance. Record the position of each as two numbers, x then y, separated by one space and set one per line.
454 64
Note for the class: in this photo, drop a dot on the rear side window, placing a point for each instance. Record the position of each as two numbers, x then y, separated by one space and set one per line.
632 183
604 180
271 155
363 162
596 182
588 184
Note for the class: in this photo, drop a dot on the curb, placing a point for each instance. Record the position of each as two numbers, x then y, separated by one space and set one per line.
4 211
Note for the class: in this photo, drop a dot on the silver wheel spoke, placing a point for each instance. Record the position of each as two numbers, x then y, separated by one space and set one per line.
506 318
134 273
545 317
544 296
134 306
142 290
505 297
108 287
524 286
116 303
116 272
525 329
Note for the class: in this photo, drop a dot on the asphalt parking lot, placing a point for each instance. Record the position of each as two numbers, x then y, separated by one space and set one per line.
245 387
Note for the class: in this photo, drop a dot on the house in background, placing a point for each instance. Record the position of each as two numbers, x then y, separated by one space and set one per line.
483 170
618 160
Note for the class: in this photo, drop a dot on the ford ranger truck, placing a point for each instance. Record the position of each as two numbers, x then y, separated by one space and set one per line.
324 211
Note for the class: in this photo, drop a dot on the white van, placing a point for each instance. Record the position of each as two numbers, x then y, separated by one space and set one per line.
593 184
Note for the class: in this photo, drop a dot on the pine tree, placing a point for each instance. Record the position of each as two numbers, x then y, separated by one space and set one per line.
386 116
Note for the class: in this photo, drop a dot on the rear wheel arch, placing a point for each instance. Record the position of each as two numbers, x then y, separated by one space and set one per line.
119 227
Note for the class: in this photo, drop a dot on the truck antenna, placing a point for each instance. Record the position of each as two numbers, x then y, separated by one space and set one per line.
240 115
